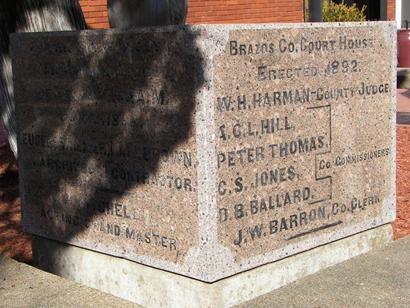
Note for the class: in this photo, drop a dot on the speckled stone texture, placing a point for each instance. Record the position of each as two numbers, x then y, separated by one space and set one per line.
207 150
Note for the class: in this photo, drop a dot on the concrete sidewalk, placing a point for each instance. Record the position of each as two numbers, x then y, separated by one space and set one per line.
377 279
380 278
25 286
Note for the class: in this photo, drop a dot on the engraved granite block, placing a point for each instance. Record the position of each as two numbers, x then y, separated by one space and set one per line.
207 150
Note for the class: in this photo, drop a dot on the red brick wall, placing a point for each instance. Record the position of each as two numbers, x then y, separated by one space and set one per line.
244 11
95 13
214 11
222 11
391 10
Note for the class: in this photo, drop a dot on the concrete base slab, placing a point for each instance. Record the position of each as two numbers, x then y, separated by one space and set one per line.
157 288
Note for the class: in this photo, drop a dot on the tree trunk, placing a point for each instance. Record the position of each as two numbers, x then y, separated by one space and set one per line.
29 16
125 14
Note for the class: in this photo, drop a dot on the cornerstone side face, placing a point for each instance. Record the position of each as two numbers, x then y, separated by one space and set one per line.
107 127
207 151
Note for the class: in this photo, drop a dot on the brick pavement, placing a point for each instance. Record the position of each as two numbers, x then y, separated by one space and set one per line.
402 224
14 242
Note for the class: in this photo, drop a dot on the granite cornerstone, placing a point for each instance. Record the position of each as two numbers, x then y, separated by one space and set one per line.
207 151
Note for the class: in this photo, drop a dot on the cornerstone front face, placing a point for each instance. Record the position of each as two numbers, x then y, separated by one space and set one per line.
207 151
